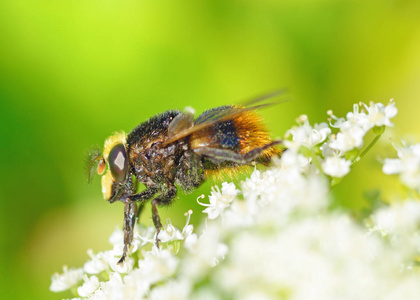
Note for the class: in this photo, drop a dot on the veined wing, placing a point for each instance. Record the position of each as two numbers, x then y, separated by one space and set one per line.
226 113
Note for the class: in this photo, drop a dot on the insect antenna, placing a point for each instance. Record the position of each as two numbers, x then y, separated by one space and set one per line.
93 158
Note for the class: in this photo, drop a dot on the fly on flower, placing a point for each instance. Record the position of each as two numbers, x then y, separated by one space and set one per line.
173 150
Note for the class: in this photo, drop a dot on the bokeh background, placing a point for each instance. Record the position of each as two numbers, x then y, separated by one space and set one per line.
73 72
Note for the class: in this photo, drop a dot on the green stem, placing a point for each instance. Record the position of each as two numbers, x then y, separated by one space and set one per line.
336 181
366 150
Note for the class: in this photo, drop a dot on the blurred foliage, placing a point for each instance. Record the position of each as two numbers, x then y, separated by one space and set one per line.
73 72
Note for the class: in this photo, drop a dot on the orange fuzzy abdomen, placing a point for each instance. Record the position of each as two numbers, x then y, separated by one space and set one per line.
242 134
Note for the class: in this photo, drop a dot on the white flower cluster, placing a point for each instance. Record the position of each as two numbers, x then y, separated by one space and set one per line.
104 278
337 152
358 123
69 278
281 241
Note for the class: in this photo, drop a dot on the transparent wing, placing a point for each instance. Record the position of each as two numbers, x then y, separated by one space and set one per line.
264 97
180 128
180 123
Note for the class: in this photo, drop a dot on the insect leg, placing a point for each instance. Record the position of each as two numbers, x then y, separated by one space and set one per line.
156 220
257 152
163 199
130 213
144 195
230 155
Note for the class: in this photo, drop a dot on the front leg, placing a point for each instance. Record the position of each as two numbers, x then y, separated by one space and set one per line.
130 214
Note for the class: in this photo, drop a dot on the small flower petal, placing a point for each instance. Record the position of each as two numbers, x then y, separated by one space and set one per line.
69 278
336 167
90 285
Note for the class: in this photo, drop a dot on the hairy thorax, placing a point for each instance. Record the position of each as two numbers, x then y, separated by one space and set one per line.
157 164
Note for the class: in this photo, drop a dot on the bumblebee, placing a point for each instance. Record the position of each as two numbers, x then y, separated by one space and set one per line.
172 151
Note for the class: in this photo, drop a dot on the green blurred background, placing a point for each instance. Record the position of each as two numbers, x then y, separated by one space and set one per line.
73 72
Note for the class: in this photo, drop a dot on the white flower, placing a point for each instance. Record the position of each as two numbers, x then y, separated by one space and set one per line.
111 289
348 139
170 233
190 238
172 290
358 123
310 258
190 241
125 267
305 135
320 133
392 166
356 118
157 265
188 228
117 237
327 151
291 161
407 165
62 282
205 253
97 263
90 285
376 115
380 115
336 167
143 236
117 240
220 200
136 286
293 185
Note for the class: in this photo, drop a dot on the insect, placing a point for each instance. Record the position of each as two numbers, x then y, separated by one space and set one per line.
173 150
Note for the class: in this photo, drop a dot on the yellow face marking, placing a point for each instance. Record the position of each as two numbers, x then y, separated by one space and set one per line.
107 182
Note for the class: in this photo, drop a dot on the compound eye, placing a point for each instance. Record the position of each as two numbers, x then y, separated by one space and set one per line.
118 163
